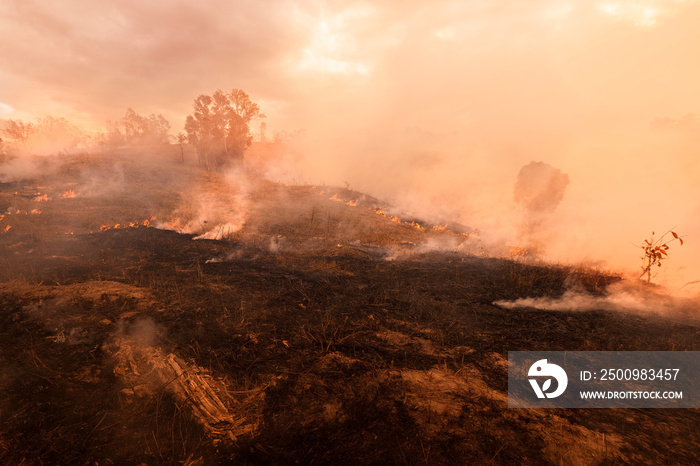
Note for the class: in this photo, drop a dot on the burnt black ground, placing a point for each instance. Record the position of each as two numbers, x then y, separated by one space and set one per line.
335 354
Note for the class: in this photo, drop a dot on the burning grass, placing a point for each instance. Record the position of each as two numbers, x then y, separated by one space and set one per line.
293 338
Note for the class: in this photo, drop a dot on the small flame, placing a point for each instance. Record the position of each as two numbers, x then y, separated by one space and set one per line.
142 223
42 198
380 211
68 194
518 252
7 228
35 211
440 227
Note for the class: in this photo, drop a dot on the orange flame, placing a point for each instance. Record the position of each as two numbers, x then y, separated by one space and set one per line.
35 211
7 228
142 223
42 198
68 194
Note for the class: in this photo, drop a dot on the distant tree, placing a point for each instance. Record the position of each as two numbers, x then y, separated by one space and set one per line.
689 124
52 134
48 135
182 139
263 129
136 129
17 130
220 127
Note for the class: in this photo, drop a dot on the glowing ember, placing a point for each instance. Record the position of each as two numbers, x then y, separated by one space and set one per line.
7 228
518 252
380 211
142 223
42 198
68 194
35 211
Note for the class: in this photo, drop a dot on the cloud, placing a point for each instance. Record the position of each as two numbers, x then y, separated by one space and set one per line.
6 109
641 13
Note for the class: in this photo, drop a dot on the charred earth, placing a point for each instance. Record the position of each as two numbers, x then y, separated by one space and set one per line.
152 313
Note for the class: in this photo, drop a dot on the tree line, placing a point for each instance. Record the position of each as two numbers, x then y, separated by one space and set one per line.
218 129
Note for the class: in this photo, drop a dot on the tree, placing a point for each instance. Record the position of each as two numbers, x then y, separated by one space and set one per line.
136 129
56 134
220 127
181 139
17 130
48 135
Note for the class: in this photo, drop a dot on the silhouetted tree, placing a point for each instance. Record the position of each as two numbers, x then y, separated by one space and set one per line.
220 127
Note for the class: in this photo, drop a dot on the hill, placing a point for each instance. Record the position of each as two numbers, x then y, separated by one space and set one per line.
154 313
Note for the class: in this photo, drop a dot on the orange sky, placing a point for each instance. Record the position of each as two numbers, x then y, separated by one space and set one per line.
452 64
436 104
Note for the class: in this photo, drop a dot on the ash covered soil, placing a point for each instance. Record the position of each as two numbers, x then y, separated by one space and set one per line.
305 324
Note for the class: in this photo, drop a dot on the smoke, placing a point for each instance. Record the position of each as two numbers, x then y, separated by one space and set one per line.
215 207
15 168
624 296
103 182
143 332
436 108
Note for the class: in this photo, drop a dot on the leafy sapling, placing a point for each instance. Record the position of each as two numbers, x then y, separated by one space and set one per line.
656 251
